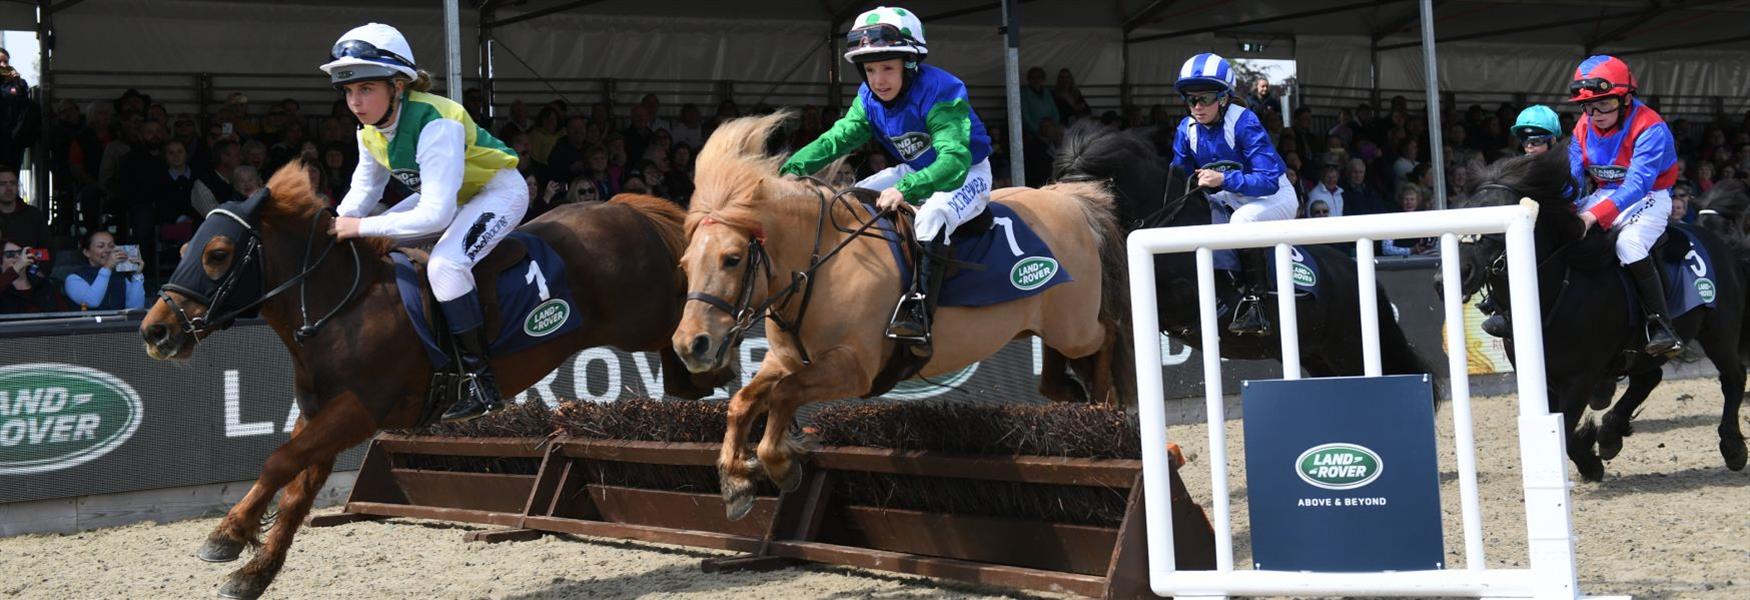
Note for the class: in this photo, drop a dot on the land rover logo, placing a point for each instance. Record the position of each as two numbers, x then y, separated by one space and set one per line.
547 318
407 177
1608 173
1303 275
1705 288
1339 466
1032 272
911 145
54 416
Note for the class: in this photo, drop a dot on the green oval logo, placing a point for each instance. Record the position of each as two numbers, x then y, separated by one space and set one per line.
1032 272
1704 287
54 416
1303 275
1339 466
547 318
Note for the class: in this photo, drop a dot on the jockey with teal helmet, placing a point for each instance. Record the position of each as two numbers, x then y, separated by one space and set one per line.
467 195
922 116
1226 146
1537 128
1627 152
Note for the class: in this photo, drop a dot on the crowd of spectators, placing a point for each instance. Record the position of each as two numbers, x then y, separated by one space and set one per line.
130 174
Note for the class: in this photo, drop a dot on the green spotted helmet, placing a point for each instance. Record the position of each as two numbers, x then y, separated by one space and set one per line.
884 33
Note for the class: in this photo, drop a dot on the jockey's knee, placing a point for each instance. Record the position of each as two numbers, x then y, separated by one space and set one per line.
1630 251
449 278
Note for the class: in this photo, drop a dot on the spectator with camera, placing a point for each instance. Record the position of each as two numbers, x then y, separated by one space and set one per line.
110 280
23 287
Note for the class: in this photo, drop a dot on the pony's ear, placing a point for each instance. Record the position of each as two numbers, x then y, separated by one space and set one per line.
834 170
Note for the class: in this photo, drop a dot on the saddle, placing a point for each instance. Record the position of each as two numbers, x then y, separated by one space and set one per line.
508 253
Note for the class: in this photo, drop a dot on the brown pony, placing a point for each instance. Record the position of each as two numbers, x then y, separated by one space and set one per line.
363 369
743 215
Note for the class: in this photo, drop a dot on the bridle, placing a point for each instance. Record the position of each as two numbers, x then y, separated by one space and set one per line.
745 311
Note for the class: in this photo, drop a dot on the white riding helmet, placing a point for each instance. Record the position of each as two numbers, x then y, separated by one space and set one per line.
884 33
370 52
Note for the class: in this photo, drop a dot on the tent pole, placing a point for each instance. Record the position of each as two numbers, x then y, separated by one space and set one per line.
453 48
1012 75
486 74
1430 68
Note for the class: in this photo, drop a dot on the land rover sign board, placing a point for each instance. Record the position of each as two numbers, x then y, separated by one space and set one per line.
1341 474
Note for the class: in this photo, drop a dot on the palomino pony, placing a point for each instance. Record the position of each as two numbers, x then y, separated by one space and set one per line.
1589 340
754 240
359 364
1151 194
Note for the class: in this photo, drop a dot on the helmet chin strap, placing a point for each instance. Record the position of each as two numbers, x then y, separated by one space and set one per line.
394 105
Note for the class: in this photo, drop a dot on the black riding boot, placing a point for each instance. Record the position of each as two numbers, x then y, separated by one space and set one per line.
479 393
1249 318
1497 324
911 319
1661 338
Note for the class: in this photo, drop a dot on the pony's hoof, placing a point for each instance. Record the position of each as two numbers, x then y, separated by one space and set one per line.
1591 471
1734 452
219 548
792 479
243 587
1609 446
737 507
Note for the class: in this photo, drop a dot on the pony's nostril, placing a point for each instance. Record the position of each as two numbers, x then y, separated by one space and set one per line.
701 344
156 333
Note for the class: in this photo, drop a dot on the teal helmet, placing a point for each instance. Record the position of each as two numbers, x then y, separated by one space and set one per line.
1537 120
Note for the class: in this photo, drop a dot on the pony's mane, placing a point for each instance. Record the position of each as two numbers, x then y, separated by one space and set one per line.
1542 177
1094 150
1730 197
731 170
294 198
667 218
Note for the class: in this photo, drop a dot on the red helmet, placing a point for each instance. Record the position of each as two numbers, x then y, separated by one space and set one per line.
1600 76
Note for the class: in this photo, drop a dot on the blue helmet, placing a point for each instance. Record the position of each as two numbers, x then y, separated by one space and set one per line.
1205 72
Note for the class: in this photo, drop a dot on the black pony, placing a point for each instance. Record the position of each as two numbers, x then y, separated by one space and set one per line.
1589 339
1151 193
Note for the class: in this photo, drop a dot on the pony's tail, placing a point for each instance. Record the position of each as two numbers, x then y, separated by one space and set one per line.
1097 205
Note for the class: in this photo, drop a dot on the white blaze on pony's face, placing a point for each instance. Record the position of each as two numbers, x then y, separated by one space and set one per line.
716 265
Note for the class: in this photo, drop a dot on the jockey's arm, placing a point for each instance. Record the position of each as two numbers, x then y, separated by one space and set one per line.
950 125
1263 173
1184 156
441 158
844 137
1654 153
1576 166
368 180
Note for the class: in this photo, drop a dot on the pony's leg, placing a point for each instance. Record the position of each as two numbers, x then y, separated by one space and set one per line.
835 374
242 524
1054 381
735 469
1572 400
253 579
1615 424
1726 359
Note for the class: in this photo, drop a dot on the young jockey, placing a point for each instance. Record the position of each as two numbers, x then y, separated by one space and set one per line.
1226 146
921 115
467 193
1626 150
1537 129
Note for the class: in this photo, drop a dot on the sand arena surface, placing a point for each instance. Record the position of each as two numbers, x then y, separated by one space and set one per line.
1669 521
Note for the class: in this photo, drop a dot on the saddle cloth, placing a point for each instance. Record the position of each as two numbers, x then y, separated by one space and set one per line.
527 303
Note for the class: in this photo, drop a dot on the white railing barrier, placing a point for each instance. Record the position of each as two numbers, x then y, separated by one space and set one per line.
1549 523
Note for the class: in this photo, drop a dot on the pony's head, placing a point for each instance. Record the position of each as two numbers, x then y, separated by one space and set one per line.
1725 210
738 199
1139 179
1545 179
219 278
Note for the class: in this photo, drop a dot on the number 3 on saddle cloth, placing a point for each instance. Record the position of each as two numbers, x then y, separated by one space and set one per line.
1000 257
1686 270
525 295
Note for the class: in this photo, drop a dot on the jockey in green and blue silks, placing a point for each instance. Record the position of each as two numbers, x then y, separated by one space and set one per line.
923 117
1229 151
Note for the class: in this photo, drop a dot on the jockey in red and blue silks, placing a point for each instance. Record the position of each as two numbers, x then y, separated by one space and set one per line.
1226 147
1626 151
